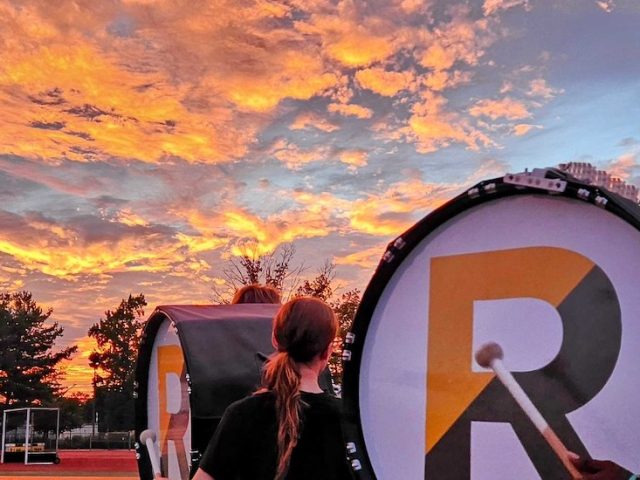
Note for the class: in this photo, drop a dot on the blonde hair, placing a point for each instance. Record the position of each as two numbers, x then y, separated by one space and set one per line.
256 293
303 329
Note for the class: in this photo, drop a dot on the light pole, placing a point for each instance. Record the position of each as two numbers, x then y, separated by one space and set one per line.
93 411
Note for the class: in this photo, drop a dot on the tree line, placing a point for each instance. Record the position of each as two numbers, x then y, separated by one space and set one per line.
30 373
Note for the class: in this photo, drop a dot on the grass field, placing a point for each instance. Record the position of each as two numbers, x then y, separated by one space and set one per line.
78 465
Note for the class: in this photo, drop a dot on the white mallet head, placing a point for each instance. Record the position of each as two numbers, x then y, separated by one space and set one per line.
147 435
148 438
488 353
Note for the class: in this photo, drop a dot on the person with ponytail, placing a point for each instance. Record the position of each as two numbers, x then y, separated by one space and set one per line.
289 429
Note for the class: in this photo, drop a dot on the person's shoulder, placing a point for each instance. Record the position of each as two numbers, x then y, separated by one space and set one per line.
323 402
255 401
251 402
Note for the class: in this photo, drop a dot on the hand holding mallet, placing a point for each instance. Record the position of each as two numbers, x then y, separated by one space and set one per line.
490 356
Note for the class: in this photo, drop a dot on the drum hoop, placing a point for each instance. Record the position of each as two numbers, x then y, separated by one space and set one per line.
398 249
145 350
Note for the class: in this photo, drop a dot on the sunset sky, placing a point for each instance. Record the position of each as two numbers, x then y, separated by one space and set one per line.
143 143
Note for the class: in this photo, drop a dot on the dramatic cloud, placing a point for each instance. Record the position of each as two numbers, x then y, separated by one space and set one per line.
144 143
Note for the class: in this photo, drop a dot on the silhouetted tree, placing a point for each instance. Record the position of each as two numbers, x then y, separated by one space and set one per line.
345 308
274 269
74 411
118 339
28 364
319 286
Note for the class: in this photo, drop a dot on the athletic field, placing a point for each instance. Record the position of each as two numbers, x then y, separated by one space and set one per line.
79 465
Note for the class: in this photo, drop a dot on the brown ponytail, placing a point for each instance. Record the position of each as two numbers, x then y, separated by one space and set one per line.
302 329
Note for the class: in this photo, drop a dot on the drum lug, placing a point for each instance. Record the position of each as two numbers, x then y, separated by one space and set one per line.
350 338
346 355
355 464
489 188
473 192
601 201
397 245
351 448
584 194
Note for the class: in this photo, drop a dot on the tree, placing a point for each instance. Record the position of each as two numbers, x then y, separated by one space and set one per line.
345 309
118 339
73 411
319 286
28 364
273 269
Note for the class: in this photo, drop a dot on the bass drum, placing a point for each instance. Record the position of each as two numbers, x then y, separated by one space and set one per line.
194 361
540 263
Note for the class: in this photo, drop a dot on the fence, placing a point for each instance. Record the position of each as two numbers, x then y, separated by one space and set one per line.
108 440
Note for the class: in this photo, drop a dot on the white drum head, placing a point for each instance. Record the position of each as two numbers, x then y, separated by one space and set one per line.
553 281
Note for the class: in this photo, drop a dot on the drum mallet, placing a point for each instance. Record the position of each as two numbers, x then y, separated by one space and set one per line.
148 437
490 356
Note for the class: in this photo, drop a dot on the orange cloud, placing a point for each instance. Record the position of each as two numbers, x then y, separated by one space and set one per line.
506 108
539 88
386 214
350 41
71 101
350 110
294 157
11 279
247 232
432 127
439 80
165 92
385 82
524 128
312 120
366 259
354 158
102 248
460 41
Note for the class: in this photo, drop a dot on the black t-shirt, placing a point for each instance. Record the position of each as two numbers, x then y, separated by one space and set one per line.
244 446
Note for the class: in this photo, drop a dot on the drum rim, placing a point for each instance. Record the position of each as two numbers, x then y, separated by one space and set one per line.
483 192
141 387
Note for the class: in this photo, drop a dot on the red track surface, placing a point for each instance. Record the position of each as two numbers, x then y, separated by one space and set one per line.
79 463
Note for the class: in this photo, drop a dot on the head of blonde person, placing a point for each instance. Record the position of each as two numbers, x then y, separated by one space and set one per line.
303 331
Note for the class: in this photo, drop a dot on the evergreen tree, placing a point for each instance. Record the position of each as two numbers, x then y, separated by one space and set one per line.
28 364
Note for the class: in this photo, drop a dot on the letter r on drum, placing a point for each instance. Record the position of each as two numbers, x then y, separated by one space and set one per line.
589 310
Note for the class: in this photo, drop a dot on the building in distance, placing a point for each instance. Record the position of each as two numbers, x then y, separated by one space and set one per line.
590 174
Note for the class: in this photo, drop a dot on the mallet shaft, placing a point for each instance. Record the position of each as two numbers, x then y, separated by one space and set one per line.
534 414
